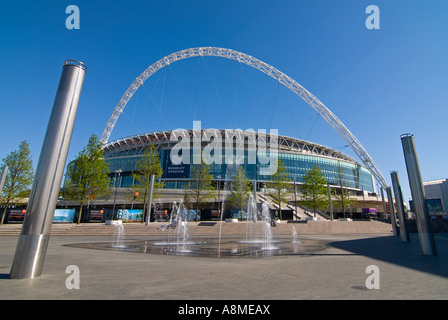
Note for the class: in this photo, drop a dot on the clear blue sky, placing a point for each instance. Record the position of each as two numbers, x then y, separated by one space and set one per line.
380 83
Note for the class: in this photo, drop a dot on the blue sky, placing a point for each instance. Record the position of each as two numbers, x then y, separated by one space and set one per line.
380 83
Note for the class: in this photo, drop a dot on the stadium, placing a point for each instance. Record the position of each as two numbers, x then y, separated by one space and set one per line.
298 156
229 149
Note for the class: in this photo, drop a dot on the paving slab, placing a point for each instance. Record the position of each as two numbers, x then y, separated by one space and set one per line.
337 272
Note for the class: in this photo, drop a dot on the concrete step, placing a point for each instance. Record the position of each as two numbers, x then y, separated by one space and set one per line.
226 228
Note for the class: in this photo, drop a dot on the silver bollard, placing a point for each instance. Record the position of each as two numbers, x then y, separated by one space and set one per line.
404 233
393 218
3 178
384 203
33 241
425 233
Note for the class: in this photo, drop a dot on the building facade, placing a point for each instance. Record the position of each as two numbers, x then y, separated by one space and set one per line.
297 155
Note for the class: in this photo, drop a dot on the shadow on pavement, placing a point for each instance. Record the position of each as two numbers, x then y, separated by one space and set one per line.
406 254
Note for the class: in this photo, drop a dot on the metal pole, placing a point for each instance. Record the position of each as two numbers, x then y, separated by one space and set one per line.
425 233
219 193
255 191
384 203
116 183
393 219
2 182
151 187
330 202
3 178
295 198
363 197
34 238
404 234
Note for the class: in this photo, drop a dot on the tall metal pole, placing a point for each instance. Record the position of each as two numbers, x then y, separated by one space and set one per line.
330 202
33 241
149 204
393 219
384 203
425 233
3 178
404 233
218 181
255 191
2 182
116 183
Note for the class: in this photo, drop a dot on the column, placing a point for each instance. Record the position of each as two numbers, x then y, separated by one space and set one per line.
425 233
33 240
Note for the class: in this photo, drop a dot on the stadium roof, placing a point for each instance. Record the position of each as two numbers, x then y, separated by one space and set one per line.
167 139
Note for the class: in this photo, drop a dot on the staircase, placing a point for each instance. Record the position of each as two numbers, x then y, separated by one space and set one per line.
210 228
301 213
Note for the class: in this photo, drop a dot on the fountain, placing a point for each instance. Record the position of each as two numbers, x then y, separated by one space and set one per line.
257 240
118 236
182 228
258 232
252 225
294 236
178 221
178 240
267 232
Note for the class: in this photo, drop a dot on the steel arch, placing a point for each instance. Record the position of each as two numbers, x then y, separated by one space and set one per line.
274 73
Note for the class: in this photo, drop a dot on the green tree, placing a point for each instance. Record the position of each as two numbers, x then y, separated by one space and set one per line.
314 191
148 165
87 176
279 186
201 187
240 190
343 197
19 177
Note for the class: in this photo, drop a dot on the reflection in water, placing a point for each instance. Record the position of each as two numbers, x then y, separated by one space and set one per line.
229 247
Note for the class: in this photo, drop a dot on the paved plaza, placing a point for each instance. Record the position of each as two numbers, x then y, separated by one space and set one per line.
337 272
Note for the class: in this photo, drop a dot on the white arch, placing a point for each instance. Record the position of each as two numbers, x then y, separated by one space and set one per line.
285 80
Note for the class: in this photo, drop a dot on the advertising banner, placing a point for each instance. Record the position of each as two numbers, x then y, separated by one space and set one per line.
96 215
64 215
16 215
130 215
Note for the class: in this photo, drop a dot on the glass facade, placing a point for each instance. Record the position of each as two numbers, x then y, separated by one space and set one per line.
351 174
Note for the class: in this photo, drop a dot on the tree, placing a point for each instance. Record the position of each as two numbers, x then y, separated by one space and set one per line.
343 197
19 177
87 176
148 165
201 187
279 186
314 192
240 190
